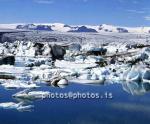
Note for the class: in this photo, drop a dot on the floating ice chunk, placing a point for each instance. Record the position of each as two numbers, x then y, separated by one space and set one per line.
125 73
112 49
30 52
134 75
93 59
144 56
7 76
18 84
94 77
31 95
11 69
79 59
73 65
84 71
64 74
97 71
47 50
146 51
33 85
44 75
58 80
43 67
10 105
63 82
18 106
20 50
85 77
38 62
25 50
105 72
47 74
101 78
87 47
114 78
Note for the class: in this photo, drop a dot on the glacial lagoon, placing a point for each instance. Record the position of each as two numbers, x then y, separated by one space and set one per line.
122 108
118 72
129 103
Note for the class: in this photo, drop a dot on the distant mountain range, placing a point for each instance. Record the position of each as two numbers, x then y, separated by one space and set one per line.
76 28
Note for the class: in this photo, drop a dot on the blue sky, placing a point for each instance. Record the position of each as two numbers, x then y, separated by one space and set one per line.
95 12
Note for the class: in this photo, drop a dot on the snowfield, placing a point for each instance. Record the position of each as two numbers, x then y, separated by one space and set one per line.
60 27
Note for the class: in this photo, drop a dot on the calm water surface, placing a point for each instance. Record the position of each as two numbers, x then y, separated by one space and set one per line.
122 108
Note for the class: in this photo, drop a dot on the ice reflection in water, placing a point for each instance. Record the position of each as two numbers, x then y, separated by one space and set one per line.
136 88
25 98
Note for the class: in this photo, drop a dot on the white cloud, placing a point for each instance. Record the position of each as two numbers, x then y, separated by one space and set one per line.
147 18
136 11
44 1
129 1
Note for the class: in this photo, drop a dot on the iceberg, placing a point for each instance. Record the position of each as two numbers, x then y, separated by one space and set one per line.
63 82
134 75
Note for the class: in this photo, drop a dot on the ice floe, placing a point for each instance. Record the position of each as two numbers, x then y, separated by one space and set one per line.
17 106
16 84
31 95
73 65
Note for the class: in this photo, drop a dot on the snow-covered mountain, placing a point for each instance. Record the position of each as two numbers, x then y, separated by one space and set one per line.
34 27
76 28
